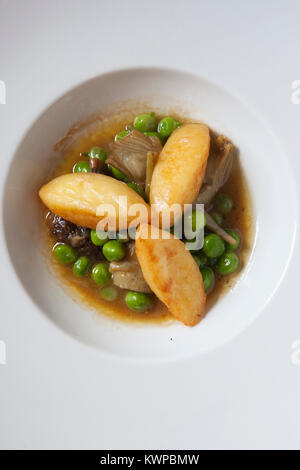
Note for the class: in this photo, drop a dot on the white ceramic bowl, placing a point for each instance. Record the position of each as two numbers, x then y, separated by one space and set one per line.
264 165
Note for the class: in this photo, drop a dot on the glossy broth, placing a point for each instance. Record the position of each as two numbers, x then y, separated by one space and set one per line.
101 133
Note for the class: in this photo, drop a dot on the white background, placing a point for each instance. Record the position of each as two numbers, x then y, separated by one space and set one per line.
56 392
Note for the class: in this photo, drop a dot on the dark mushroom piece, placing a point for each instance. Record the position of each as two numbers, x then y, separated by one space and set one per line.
94 164
74 235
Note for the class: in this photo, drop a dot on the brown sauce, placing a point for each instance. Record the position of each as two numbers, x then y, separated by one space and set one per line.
101 133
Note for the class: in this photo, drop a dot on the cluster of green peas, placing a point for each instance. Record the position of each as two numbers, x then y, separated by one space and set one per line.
113 250
148 125
145 123
217 255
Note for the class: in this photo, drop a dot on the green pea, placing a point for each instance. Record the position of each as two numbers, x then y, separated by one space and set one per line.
129 127
81 167
117 173
166 126
122 134
228 263
218 218
156 134
65 253
200 258
145 122
99 237
137 189
223 203
138 300
101 274
114 250
109 293
195 220
208 278
213 245
98 152
235 235
81 266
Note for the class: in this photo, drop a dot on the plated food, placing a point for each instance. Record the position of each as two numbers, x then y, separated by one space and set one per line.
126 204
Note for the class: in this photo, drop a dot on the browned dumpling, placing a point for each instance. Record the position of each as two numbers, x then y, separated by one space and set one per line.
172 274
77 197
180 169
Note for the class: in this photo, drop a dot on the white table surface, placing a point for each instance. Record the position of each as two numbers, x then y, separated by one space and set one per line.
59 393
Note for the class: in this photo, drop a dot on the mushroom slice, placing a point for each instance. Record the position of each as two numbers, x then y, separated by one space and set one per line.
87 198
127 273
129 154
180 169
131 280
218 168
214 227
172 274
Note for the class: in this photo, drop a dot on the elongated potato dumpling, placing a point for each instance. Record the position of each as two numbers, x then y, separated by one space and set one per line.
180 169
80 198
172 274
